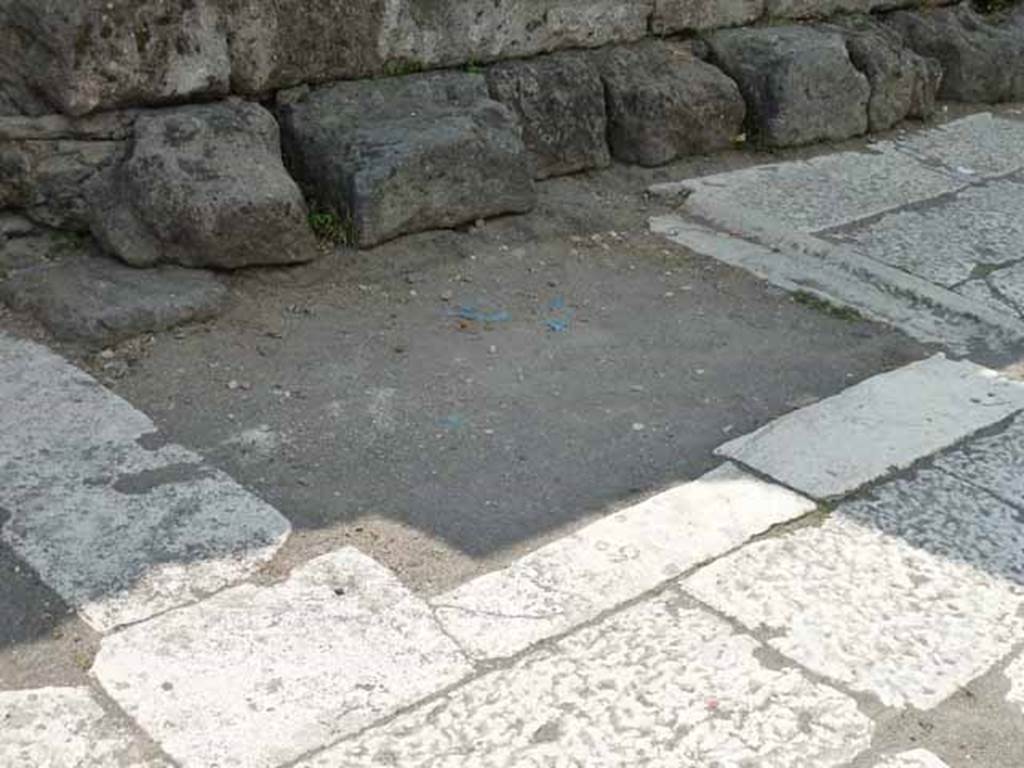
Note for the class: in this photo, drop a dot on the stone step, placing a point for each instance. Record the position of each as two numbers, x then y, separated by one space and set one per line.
406 154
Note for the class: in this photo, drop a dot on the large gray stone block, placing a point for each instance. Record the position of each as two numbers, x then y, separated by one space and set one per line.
799 83
982 60
203 186
903 83
670 16
406 154
664 102
82 55
559 100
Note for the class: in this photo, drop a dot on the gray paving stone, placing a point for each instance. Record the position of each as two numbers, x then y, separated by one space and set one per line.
1009 285
885 423
616 559
946 241
256 676
995 462
658 684
908 594
65 728
119 531
976 146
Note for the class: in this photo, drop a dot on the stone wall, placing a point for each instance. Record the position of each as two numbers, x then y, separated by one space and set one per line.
157 126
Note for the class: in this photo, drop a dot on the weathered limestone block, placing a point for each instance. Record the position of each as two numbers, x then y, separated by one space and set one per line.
559 100
799 83
819 9
203 186
82 55
406 154
903 83
47 162
664 102
982 60
670 16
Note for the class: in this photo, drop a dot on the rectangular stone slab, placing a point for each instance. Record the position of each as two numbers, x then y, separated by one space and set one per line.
119 531
885 423
257 676
616 559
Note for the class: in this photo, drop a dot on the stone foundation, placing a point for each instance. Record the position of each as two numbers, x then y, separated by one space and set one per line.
107 125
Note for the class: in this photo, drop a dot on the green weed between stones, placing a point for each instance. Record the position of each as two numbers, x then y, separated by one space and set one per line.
331 228
808 299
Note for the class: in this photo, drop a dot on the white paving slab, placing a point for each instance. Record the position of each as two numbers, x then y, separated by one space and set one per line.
1015 674
65 728
817 194
973 147
907 594
994 462
946 241
119 531
256 676
915 758
613 560
887 422
658 684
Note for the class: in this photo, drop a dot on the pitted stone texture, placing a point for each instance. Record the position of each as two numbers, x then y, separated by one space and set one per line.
559 100
85 55
257 676
885 423
613 560
85 296
982 61
817 9
406 154
119 532
994 462
951 239
821 193
908 594
799 83
671 16
903 83
1009 286
971 148
657 684
915 758
65 728
203 186
1015 674
664 103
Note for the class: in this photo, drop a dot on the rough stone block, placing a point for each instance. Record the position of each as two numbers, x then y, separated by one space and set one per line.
670 16
982 61
82 55
203 186
903 83
406 154
83 296
799 83
664 102
559 100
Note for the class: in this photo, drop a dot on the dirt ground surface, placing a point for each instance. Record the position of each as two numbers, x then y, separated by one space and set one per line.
451 400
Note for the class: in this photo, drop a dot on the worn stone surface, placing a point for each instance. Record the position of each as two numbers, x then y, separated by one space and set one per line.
671 16
1015 675
817 9
664 102
908 593
405 154
951 240
885 423
994 462
613 560
559 100
982 60
660 683
903 83
971 149
257 676
915 758
799 83
85 296
66 728
203 186
82 55
119 531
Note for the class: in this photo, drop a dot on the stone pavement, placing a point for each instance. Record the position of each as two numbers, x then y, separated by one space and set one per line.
852 568
922 231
